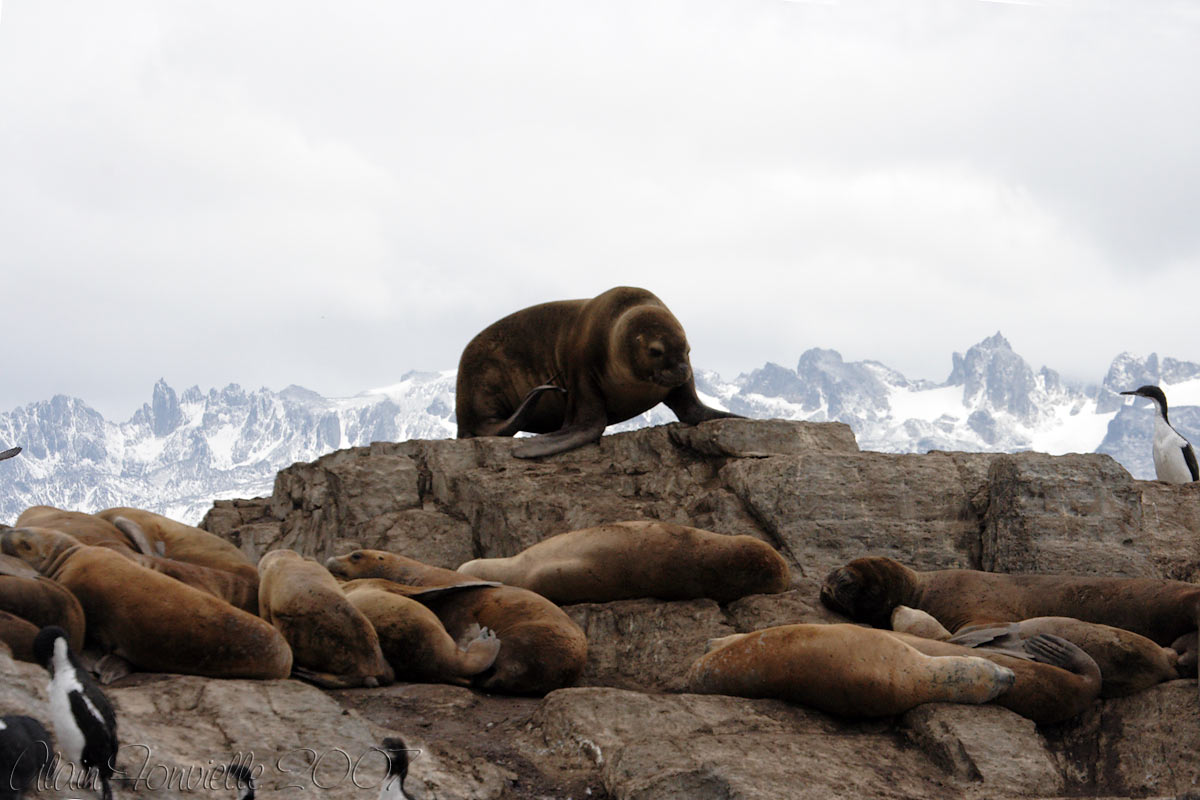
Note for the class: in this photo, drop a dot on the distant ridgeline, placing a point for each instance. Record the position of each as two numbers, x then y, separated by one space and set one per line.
180 452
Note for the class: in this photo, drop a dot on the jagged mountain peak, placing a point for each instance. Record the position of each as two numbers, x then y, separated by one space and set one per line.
180 452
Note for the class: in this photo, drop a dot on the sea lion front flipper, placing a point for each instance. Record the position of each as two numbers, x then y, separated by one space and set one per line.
15 567
568 438
136 536
112 667
993 637
1057 651
433 592
686 404
9 453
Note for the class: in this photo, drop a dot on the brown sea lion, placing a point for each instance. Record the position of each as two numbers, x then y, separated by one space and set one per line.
43 603
333 644
181 542
155 622
869 590
17 635
86 528
413 639
625 560
567 369
1129 662
842 669
541 647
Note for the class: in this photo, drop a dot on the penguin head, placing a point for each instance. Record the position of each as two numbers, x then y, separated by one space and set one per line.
1154 393
45 646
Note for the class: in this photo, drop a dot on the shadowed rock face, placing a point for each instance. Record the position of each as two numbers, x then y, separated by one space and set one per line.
623 731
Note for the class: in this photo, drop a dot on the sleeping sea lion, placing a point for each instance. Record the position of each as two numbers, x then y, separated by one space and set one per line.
541 647
155 622
624 560
869 590
842 669
333 644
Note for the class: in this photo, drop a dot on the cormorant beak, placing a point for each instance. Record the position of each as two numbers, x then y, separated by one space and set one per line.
1134 393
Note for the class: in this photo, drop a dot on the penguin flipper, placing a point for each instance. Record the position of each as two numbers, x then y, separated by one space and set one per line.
1189 455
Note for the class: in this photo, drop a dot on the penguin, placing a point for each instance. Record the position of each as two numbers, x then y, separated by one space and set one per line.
25 749
9 453
83 717
1174 458
393 783
245 780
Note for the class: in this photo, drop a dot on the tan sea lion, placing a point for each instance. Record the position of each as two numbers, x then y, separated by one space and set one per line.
155 622
842 669
413 639
1055 679
869 590
624 560
333 644
86 528
182 542
567 369
541 647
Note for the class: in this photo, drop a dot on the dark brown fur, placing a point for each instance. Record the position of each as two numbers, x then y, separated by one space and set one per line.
869 589
569 368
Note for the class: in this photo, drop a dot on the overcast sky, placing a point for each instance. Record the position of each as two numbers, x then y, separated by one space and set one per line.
332 194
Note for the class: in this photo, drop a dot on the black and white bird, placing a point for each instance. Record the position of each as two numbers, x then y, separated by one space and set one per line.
393 784
83 719
245 781
1174 458
25 750
9 453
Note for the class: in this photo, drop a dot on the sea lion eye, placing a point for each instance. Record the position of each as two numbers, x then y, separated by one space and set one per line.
656 351
355 556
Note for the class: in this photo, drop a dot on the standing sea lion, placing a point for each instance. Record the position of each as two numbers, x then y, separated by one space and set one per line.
153 621
333 644
624 560
869 590
541 648
842 669
568 369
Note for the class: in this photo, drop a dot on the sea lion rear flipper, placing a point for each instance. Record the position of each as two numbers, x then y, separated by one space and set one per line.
686 404
516 421
136 536
9 453
568 438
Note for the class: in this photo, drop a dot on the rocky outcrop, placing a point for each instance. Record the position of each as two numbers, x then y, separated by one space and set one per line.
625 731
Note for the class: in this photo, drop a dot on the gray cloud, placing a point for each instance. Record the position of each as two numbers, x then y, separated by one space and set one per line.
273 193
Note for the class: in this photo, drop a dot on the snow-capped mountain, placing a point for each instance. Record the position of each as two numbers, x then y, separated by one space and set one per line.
178 453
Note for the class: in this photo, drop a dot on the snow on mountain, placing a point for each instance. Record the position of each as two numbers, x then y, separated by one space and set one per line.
178 453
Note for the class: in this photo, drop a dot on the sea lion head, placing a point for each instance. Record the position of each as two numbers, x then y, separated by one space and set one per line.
869 589
358 564
37 547
654 346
